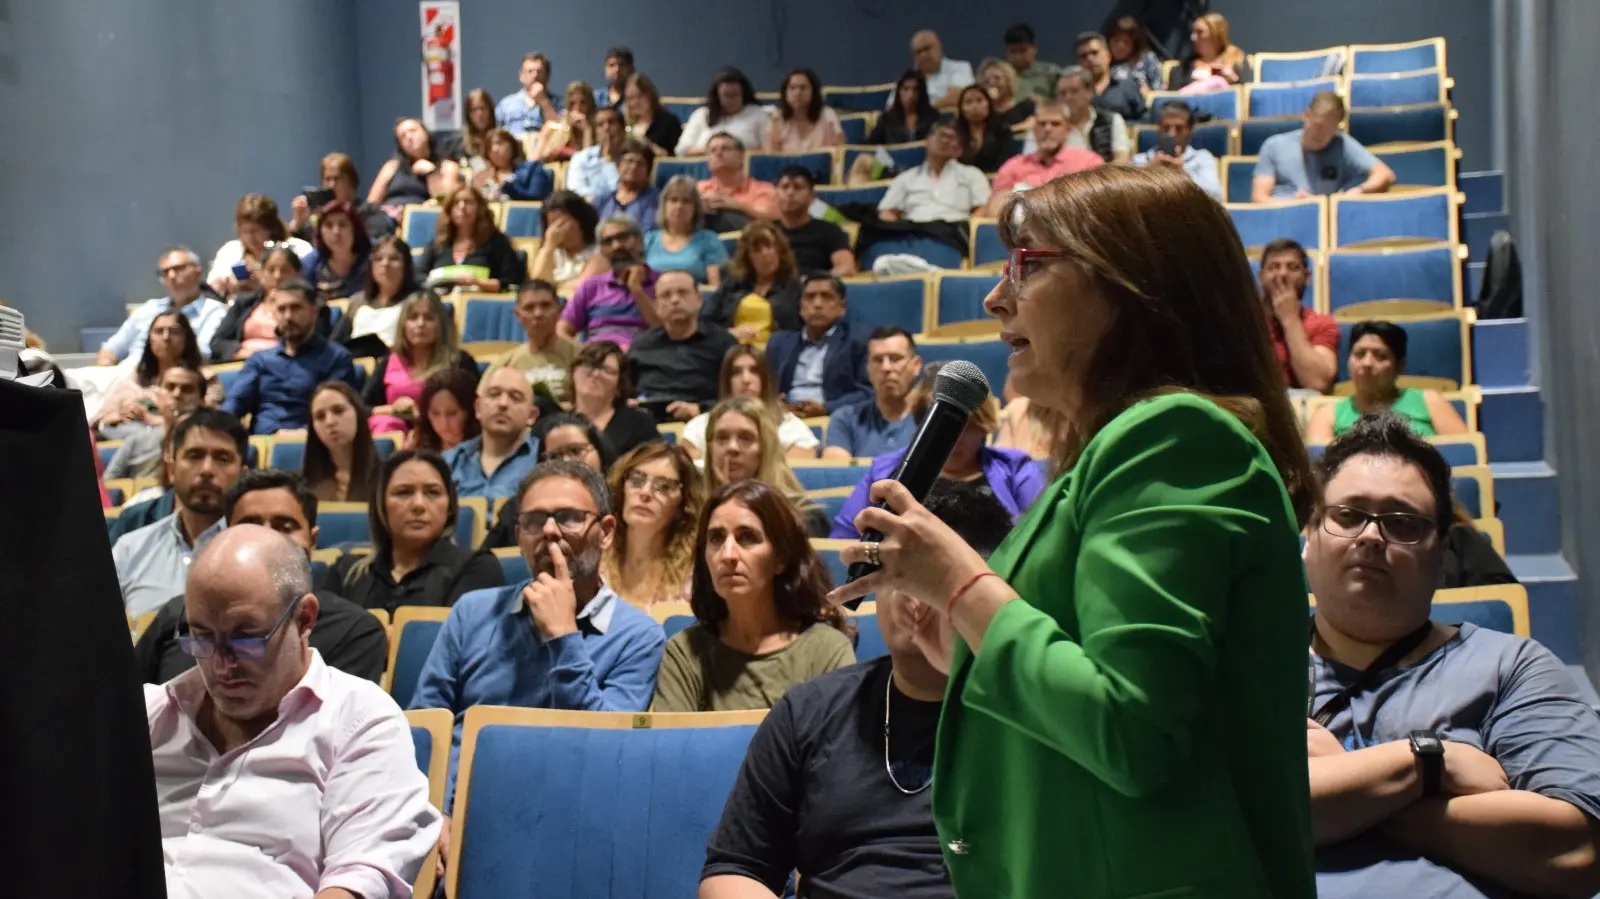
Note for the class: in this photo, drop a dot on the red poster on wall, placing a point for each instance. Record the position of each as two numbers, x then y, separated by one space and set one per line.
441 65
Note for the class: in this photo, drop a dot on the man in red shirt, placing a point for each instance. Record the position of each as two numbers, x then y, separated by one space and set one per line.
1307 342
1052 159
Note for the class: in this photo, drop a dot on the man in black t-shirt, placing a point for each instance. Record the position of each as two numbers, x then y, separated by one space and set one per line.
835 785
818 246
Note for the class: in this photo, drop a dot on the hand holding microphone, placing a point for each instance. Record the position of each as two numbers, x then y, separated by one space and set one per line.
903 546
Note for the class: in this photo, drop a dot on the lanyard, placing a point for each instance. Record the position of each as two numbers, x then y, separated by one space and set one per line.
1390 657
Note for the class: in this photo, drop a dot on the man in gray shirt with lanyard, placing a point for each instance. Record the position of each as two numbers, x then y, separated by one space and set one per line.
1445 760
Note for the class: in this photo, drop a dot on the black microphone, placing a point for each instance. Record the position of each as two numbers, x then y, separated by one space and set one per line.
958 390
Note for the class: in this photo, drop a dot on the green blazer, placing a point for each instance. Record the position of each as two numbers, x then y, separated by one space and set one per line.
1134 726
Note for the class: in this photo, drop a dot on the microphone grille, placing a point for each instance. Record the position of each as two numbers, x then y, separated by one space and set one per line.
962 383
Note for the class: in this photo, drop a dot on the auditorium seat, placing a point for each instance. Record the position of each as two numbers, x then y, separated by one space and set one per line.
410 640
1254 132
822 474
696 167
869 635
905 156
992 355
1298 66
521 218
841 197
829 550
417 225
342 525
959 296
830 499
1283 99
513 567
1473 487
986 246
1497 607
1374 283
898 300
866 98
600 805
1261 223
1413 216
1403 89
1437 350
857 125
682 107
766 166
430 736
489 318
1421 123
1388 59
1223 104
472 521
1238 177
1421 165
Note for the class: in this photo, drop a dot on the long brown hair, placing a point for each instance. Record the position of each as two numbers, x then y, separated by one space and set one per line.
762 233
317 467
801 583
677 561
473 141
1227 53
769 384
446 346
483 226
1188 316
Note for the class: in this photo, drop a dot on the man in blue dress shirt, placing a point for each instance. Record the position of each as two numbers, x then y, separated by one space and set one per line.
275 386
493 464
563 640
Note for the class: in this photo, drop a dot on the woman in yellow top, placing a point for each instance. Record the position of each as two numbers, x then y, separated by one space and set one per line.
1377 360
1126 697
762 291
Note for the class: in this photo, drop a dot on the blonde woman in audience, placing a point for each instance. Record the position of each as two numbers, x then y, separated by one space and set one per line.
762 291
801 123
341 462
745 373
257 229
999 81
680 239
573 131
742 444
730 108
425 342
414 561
472 251
1214 63
658 494
762 624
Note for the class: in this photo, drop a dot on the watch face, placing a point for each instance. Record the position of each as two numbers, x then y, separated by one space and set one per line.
1426 743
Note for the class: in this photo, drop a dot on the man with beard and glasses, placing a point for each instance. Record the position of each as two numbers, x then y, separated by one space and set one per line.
618 304
562 640
203 460
275 773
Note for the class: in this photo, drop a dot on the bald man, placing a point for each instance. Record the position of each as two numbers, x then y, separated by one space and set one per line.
277 775
493 463
946 77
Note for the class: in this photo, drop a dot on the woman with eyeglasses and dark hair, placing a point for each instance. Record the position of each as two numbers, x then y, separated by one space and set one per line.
372 317
414 560
600 389
1377 362
658 494
801 122
416 173
731 108
762 620
1135 649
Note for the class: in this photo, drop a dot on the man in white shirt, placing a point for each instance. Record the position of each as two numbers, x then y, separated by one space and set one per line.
941 189
180 273
275 774
1176 152
946 77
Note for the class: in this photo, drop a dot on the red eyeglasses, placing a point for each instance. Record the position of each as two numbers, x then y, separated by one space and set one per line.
1023 262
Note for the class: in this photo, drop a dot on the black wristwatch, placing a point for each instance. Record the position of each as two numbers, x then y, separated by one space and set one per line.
1428 751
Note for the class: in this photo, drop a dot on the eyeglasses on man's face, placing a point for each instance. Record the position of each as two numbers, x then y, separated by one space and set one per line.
1402 528
245 649
571 522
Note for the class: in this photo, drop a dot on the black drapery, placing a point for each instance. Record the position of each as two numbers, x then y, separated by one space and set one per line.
76 779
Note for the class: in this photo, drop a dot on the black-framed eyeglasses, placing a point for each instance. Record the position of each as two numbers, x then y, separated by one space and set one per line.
571 521
174 269
573 453
1402 528
250 649
666 488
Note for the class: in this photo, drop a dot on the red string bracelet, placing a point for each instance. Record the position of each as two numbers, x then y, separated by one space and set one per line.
950 605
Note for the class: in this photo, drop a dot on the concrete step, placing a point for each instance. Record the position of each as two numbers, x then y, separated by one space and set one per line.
1526 494
1500 356
1477 228
1486 191
1553 614
1512 422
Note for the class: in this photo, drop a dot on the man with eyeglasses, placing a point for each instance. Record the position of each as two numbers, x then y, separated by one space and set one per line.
348 637
180 272
732 198
1445 760
618 304
275 773
560 640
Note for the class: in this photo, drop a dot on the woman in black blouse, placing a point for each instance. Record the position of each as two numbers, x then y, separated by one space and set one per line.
415 560
468 237
911 114
597 381
648 120
986 142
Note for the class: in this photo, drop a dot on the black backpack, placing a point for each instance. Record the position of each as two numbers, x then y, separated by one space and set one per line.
1500 295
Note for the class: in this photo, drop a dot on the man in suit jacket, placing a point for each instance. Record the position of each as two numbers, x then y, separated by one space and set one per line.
821 366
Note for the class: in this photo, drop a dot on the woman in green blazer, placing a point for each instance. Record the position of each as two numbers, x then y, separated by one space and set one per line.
1126 699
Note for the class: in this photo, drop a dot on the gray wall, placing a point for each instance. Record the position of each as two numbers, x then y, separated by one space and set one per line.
133 125
1553 68
1309 24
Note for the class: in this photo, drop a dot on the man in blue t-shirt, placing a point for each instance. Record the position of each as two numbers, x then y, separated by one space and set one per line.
1317 159
1445 760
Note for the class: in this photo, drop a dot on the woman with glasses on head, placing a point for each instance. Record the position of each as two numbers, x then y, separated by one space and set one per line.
598 383
745 373
414 560
762 621
1377 360
341 462
658 494
742 444
425 342
372 316
1134 650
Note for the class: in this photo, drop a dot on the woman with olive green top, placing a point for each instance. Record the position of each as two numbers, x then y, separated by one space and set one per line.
1125 711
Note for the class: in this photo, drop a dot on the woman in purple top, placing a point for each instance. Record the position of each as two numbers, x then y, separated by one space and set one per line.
1013 476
